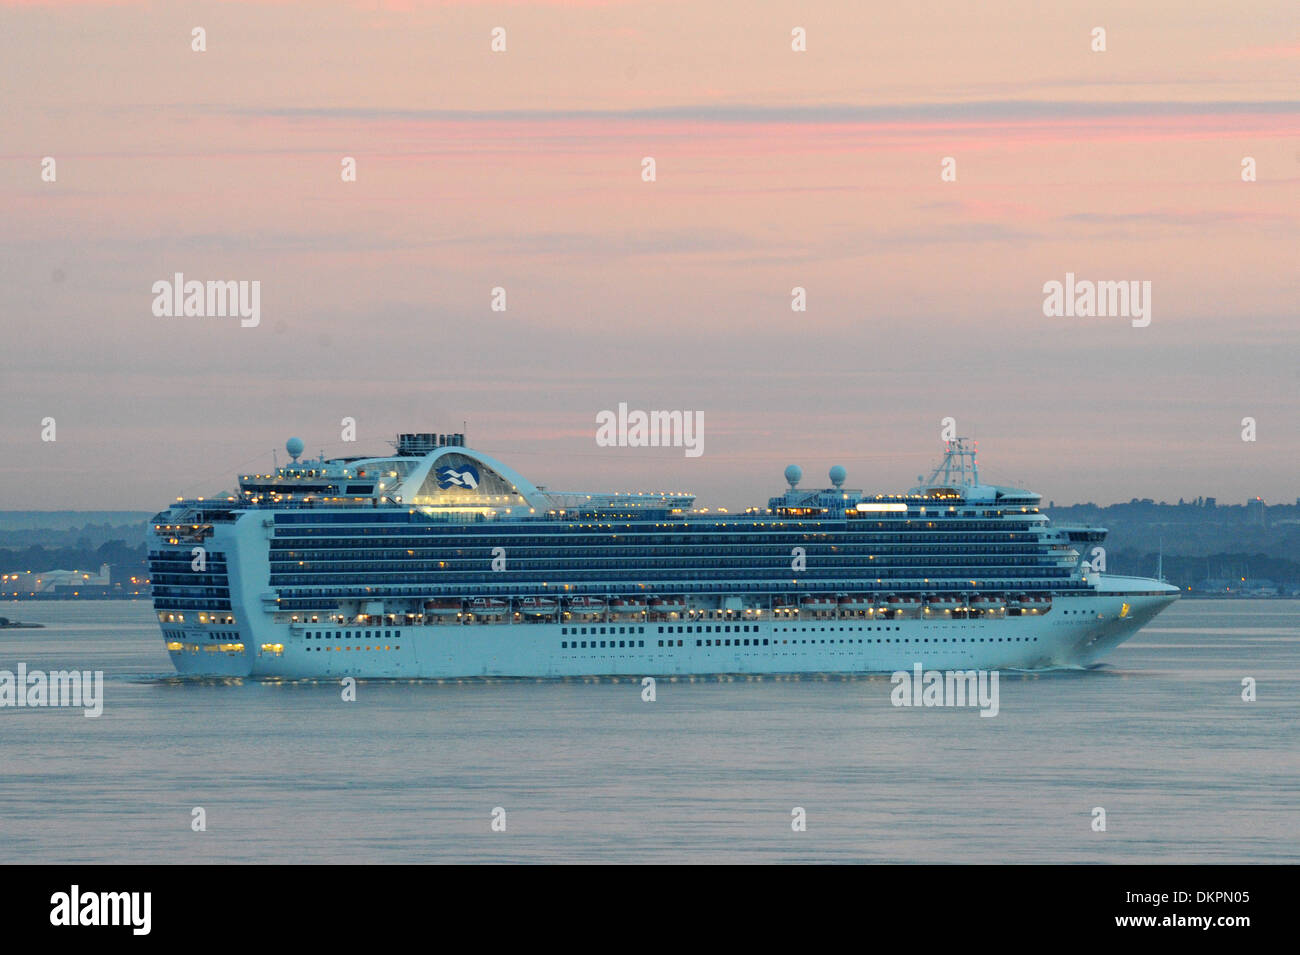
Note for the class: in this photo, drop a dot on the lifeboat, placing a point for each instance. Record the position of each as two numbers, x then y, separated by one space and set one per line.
818 603
488 606
784 605
667 605
586 604
854 602
1037 603
987 602
627 605
538 606
943 603
442 606
903 606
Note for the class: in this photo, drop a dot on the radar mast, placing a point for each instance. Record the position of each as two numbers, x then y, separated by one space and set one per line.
959 467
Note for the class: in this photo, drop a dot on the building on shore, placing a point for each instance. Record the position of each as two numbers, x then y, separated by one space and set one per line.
32 584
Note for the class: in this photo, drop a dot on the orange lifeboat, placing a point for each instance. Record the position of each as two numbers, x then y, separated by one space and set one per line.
488 606
989 603
586 604
818 603
538 606
627 605
942 603
904 605
667 605
444 606
851 603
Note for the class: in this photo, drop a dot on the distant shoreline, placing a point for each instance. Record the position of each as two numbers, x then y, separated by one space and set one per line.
50 598
1194 595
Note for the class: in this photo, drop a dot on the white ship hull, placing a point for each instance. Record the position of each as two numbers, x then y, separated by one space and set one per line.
1076 631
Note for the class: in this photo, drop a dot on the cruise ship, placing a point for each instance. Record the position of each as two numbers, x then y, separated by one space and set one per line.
438 561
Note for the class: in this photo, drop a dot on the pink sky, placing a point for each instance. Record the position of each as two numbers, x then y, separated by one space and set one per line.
775 169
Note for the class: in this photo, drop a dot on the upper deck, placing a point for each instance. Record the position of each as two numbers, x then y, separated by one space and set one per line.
434 524
439 476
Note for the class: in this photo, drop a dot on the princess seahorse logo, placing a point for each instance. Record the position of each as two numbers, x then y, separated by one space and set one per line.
450 477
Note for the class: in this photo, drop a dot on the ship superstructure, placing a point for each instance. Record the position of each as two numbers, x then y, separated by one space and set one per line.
439 561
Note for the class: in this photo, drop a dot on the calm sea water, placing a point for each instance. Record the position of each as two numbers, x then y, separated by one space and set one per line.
586 772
